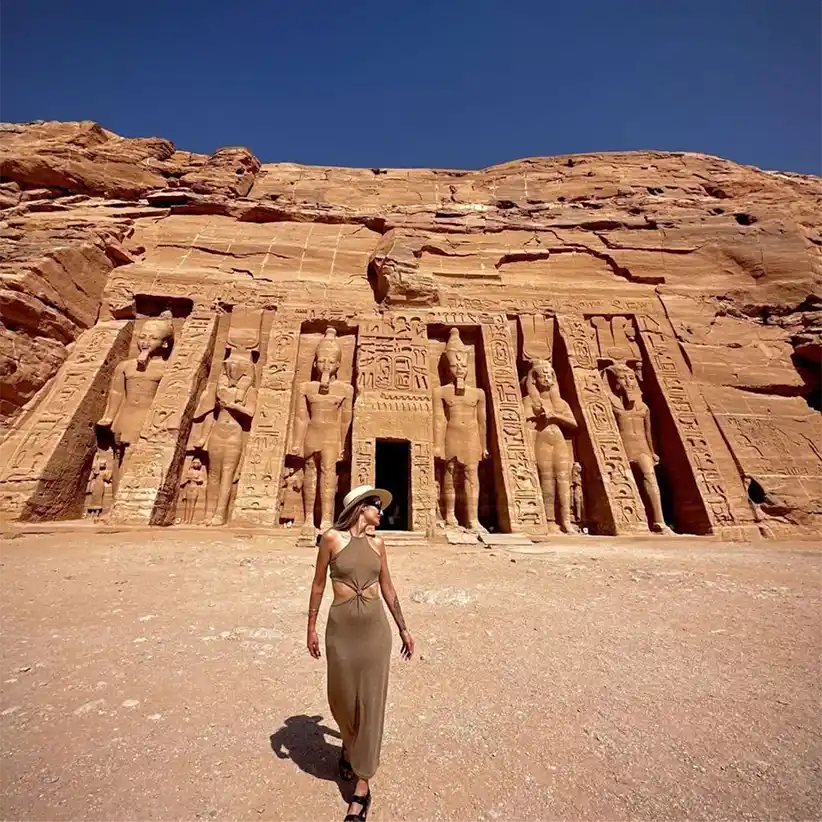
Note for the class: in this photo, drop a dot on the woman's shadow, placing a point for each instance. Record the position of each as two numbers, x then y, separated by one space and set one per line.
302 740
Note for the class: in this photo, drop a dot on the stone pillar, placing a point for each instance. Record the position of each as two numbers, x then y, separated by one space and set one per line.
521 507
621 510
258 490
148 486
43 461
719 505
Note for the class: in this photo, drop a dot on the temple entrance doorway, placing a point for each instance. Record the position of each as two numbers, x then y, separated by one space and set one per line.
393 472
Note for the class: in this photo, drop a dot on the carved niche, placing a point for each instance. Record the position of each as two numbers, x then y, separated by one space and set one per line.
322 412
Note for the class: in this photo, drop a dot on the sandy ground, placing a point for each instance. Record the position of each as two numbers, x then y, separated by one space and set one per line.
163 675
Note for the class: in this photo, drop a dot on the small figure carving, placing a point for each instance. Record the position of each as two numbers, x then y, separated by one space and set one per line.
577 497
98 489
460 435
550 420
135 382
321 423
192 485
634 420
291 497
223 433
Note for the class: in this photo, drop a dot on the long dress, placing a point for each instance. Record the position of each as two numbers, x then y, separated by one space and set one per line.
358 650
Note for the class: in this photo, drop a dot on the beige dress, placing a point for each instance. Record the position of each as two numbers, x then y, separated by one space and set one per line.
358 651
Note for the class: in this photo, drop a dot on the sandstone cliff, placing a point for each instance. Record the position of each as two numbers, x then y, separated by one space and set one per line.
734 252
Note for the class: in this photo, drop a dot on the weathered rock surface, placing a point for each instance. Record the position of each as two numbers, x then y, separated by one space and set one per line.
733 252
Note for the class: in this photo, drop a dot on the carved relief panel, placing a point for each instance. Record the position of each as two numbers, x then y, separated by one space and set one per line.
258 489
46 463
394 404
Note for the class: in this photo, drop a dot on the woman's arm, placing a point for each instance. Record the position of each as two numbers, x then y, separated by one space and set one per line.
317 591
389 594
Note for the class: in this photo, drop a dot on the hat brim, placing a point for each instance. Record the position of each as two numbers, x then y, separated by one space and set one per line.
385 498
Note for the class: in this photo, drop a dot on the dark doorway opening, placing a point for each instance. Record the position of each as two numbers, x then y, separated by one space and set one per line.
393 472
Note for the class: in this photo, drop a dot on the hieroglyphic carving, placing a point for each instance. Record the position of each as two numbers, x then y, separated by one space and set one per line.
150 480
522 506
622 505
42 461
394 402
258 489
666 362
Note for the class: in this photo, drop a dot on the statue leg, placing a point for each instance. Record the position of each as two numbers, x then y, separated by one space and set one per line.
449 493
328 488
310 492
215 470
548 485
646 469
562 473
471 485
228 470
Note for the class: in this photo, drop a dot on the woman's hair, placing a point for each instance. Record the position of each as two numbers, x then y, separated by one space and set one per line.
349 517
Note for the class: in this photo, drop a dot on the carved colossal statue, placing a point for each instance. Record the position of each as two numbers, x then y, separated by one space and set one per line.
634 420
222 436
98 489
550 420
135 382
192 486
321 423
460 436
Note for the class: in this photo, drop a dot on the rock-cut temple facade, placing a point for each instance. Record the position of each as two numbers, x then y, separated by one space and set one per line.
602 344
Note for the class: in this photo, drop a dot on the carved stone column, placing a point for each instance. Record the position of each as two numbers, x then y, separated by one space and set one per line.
620 508
522 507
42 461
719 505
258 490
148 485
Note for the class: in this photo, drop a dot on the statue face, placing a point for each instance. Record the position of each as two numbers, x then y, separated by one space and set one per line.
626 381
235 369
544 375
195 463
458 365
150 339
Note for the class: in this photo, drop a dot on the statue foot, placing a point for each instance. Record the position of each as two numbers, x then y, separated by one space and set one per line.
553 528
477 527
661 528
217 519
569 528
308 529
451 522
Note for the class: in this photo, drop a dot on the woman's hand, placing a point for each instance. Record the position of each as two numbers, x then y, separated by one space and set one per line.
407 650
313 644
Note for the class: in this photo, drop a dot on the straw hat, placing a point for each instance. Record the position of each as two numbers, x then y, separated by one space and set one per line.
362 492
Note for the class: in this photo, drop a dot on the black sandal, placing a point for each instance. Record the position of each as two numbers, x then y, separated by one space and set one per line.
346 771
365 801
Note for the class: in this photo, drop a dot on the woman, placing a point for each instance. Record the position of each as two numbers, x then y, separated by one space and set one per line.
357 637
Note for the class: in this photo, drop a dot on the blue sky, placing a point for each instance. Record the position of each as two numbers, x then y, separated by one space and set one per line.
446 83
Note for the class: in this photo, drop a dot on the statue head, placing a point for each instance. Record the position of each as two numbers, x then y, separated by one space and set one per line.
542 374
156 334
196 463
101 463
624 379
328 357
457 355
236 367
